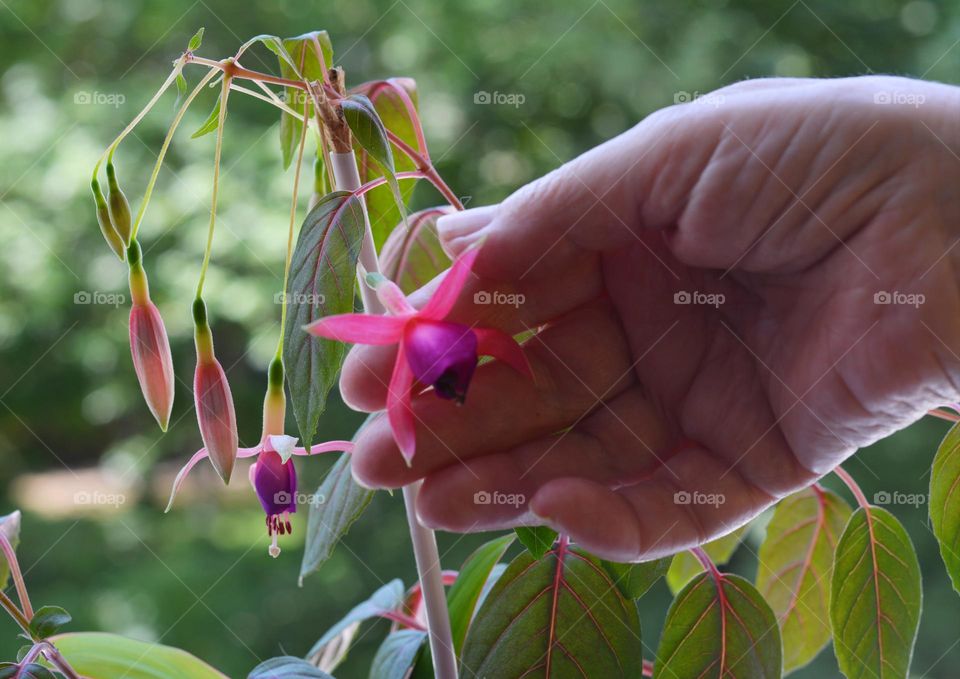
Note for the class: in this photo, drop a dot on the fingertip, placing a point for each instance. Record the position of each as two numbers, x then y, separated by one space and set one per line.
593 516
377 462
364 378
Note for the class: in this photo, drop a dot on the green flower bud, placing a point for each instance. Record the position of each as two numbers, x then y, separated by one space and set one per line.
106 223
119 207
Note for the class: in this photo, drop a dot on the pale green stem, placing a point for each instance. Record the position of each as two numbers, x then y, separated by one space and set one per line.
224 94
166 145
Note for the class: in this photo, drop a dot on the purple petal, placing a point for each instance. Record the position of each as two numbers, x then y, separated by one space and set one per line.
275 482
441 354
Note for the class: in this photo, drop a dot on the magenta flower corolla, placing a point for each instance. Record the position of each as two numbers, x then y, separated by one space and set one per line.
273 477
432 351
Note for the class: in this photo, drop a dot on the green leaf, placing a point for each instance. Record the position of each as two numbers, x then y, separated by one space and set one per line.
466 589
10 526
328 521
47 620
733 635
322 283
875 596
210 124
397 654
195 41
413 256
287 667
31 671
559 616
537 539
181 89
94 654
387 599
685 566
300 62
370 133
634 579
945 502
387 98
796 562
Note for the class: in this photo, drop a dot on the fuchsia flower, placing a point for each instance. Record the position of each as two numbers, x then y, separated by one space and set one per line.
432 351
273 477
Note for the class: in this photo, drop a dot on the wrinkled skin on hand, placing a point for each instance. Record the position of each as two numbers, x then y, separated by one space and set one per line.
794 202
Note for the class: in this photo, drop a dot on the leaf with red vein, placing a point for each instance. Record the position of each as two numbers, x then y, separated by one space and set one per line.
796 561
558 616
321 284
719 627
875 597
945 502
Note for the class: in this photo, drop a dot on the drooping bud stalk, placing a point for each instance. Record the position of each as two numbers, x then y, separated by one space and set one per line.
214 402
119 207
106 223
149 345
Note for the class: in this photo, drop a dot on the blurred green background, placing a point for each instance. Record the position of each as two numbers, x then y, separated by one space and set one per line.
72 422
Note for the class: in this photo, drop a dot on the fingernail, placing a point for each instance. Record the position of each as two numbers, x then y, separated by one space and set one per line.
465 222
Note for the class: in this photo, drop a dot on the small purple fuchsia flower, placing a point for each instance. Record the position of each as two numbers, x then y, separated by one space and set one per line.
273 475
432 350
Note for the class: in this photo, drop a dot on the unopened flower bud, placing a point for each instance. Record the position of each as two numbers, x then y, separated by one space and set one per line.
149 344
214 402
119 207
106 223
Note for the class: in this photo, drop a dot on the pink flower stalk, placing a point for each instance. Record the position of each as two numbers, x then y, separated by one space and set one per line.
273 477
152 361
432 350
215 414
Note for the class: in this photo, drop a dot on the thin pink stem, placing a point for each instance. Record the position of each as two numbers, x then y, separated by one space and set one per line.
425 166
647 668
944 415
53 655
7 604
706 562
412 113
17 576
403 619
852 485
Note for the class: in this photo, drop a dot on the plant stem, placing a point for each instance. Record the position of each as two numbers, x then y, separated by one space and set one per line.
852 485
289 257
163 150
16 574
347 177
53 655
224 93
177 67
7 604
706 562
944 415
424 164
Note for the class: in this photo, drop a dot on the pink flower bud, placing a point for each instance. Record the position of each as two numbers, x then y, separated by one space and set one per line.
215 414
151 359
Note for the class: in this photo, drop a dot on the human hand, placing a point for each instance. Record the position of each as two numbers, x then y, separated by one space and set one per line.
710 287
